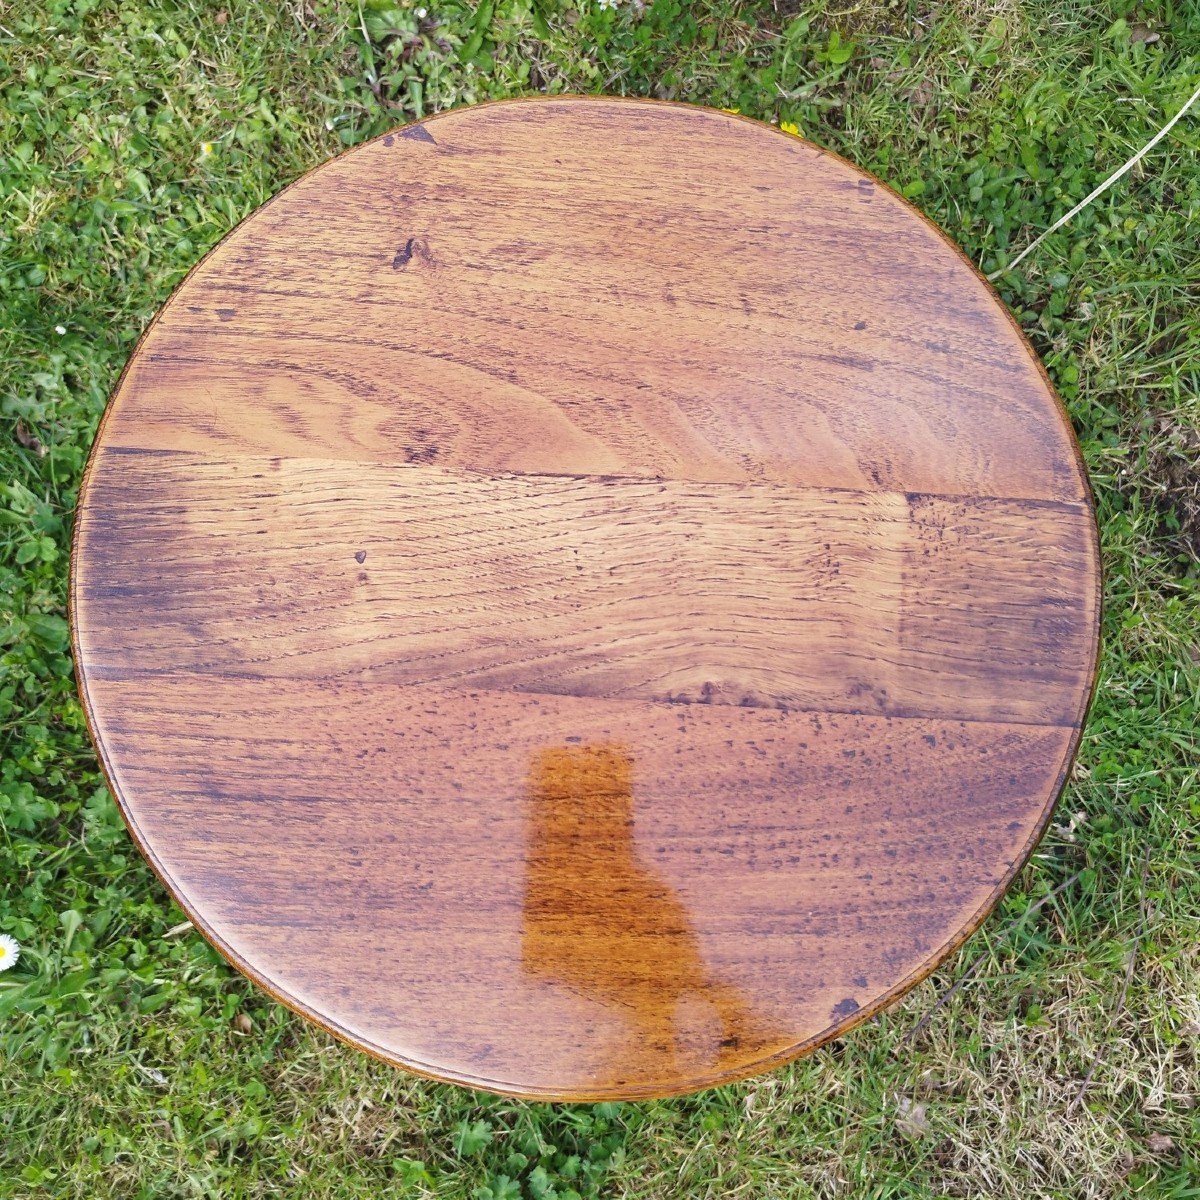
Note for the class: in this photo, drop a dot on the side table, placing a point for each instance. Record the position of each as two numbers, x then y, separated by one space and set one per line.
586 598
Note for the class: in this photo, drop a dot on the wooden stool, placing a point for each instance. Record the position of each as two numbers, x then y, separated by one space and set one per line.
586 598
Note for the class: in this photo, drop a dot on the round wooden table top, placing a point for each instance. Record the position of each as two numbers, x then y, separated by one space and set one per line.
586 598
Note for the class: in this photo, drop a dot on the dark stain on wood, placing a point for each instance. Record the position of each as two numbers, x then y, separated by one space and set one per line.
712 662
418 133
404 255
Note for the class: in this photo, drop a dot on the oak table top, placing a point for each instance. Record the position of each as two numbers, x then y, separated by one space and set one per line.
585 598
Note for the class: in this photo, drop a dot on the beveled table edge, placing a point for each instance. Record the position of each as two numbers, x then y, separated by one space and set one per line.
679 1087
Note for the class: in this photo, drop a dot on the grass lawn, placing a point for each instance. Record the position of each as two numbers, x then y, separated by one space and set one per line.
134 1063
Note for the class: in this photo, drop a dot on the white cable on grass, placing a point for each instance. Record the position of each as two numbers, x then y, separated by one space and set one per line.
1158 137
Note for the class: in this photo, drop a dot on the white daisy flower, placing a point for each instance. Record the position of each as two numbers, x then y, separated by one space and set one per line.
9 951
60 329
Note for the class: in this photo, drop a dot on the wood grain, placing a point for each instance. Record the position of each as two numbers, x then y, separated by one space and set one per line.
609 574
